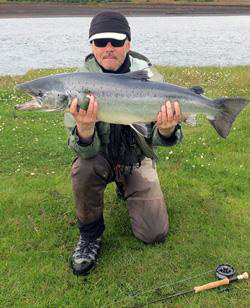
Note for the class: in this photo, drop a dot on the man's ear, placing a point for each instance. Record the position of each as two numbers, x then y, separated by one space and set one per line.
128 45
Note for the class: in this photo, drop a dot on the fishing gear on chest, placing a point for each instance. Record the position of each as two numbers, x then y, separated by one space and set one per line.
123 148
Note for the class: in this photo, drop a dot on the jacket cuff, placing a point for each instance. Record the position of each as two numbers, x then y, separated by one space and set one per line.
85 150
78 138
175 138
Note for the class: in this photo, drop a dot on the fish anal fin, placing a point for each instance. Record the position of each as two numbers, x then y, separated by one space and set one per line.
189 119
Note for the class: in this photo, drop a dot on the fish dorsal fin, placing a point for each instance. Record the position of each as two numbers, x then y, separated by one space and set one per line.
141 75
197 90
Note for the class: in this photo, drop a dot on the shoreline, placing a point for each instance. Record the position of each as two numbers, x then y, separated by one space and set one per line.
38 10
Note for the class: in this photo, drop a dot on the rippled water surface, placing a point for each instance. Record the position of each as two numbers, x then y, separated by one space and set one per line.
27 43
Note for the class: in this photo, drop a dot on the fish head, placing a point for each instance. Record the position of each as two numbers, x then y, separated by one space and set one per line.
47 95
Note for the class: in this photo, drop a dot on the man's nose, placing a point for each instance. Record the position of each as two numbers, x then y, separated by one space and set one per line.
109 46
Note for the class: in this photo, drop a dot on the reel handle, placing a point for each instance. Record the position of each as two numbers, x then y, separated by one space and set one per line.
243 276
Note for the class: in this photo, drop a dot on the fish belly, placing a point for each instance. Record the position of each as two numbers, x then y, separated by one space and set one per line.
129 110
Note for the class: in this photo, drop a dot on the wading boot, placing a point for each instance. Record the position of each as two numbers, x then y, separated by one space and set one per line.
85 255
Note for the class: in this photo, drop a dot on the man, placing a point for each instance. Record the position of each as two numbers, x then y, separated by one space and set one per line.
108 152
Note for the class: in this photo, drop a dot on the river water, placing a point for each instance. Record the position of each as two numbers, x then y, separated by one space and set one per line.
27 43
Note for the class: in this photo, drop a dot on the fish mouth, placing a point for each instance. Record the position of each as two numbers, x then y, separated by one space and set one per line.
31 105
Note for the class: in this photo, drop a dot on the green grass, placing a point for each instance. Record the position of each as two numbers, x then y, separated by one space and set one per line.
206 181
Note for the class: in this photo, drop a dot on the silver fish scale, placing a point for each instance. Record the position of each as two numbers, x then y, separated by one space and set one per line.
130 100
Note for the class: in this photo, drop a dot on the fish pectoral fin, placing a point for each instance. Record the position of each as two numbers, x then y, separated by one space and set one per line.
87 92
141 129
189 119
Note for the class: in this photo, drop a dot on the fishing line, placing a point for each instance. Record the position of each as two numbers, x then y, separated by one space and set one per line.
156 288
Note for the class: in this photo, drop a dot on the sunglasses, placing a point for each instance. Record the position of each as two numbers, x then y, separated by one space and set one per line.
104 42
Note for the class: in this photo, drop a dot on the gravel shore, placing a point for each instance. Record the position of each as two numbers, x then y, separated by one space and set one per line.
15 10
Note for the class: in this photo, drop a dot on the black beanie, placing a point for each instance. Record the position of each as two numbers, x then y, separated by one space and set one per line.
109 21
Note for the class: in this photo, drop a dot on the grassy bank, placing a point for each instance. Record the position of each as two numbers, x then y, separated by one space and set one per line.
205 180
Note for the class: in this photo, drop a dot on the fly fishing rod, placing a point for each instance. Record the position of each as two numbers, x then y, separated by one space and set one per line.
224 272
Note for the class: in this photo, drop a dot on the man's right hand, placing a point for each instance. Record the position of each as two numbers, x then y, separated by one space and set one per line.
85 119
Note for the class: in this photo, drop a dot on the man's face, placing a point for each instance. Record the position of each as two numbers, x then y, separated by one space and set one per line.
109 57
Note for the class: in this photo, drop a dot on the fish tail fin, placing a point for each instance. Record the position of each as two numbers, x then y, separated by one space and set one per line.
230 108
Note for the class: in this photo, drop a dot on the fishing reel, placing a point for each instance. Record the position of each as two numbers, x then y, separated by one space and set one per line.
224 271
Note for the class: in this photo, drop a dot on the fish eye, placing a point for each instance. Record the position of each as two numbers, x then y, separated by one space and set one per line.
40 93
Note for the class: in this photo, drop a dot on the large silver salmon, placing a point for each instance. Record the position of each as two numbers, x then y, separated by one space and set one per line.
128 99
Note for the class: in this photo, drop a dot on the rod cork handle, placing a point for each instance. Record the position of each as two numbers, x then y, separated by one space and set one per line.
212 285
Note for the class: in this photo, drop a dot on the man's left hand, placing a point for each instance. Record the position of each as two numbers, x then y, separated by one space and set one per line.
168 118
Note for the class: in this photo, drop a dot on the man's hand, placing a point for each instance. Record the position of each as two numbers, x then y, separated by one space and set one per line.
168 118
85 119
